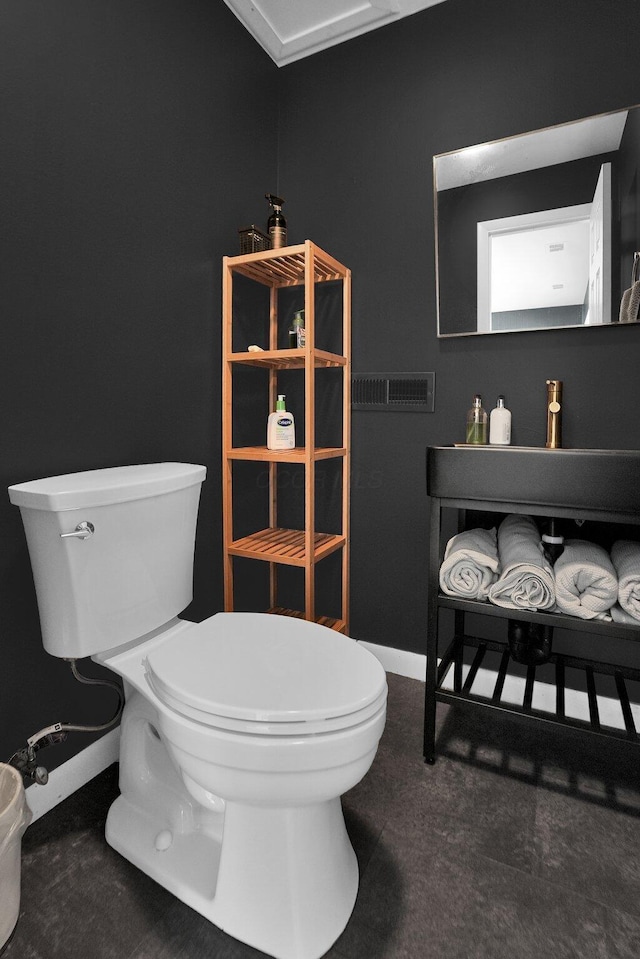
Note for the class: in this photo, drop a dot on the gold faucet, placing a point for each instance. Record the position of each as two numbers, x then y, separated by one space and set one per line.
554 414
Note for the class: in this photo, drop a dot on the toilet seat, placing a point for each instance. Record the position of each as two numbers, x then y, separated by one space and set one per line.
266 674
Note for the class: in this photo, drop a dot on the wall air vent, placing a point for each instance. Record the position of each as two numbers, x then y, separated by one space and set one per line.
556 247
402 392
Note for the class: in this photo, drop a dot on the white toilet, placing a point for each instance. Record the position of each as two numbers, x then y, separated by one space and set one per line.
239 734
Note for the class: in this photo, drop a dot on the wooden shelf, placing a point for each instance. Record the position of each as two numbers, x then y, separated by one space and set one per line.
287 359
297 455
287 266
286 546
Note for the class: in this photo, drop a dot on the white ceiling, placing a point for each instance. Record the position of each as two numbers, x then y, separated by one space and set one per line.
292 29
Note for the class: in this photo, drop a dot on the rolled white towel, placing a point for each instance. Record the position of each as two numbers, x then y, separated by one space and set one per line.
618 615
625 556
630 304
586 582
470 564
526 580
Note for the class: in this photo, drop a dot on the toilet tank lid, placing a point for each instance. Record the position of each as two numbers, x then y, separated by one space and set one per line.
116 484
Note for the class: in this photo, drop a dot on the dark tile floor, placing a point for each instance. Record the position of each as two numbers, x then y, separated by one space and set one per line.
518 844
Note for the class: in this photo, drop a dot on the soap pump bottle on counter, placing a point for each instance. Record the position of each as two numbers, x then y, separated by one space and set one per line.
276 224
500 424
477 423
281 432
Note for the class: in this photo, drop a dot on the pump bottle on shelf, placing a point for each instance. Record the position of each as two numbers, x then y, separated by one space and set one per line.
281 433
276 224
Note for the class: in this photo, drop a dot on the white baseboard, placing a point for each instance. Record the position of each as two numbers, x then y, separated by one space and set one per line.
411 665
74 774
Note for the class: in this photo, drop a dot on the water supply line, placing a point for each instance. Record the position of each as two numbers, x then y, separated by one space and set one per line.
24 760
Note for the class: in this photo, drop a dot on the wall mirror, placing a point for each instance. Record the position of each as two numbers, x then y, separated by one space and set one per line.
541 230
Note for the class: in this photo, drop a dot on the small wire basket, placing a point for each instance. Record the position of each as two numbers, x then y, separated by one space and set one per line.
253 240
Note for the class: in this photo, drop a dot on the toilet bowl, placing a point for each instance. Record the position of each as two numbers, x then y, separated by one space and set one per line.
239 734
260 723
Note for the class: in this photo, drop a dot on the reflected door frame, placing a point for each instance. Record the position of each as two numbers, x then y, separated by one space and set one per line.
525 222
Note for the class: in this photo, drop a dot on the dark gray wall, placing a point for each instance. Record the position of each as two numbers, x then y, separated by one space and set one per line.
136 139
359 126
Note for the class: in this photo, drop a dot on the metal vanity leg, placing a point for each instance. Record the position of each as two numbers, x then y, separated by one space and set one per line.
432 633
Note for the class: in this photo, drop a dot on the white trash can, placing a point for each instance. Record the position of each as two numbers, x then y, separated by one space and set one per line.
15 816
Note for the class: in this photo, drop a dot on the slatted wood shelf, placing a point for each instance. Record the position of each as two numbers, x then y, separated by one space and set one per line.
286 267
287 359
286 546
338 624
297 455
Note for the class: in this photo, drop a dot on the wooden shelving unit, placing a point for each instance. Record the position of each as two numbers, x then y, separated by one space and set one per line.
304 265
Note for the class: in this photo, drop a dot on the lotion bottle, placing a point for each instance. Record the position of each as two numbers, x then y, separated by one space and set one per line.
281 433
500 424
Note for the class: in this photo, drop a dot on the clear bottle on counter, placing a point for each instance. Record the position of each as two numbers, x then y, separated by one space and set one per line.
476 423
500 424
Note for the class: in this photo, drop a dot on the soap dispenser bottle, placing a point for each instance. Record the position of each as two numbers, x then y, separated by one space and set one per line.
500 424
477 423
281 433
276 224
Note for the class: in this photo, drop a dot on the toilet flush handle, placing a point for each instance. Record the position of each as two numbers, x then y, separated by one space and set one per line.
82 531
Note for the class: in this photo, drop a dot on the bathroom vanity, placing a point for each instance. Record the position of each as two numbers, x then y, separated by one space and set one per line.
593 486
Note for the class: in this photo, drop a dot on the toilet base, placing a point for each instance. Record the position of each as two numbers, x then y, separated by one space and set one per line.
285 881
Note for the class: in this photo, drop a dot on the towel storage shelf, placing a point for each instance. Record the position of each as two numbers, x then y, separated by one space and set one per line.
479 672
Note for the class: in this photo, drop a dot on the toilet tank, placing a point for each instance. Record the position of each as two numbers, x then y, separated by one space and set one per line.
132 574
